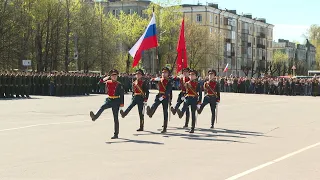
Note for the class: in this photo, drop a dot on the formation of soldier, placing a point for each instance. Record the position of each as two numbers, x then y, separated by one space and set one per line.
15 84
190 96
275 86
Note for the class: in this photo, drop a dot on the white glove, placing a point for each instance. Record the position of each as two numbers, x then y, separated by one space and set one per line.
198 106
161 98
183 98
217 103
144 103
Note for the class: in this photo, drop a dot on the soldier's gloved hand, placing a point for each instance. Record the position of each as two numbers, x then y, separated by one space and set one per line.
198 106
217 103
183 98
161 98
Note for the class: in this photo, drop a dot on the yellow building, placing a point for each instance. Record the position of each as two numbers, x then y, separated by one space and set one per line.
247 41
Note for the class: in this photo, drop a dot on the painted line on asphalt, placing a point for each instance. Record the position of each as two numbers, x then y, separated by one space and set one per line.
36 125
272 162
48 124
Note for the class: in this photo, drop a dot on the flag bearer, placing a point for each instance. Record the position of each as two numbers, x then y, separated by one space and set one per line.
193 98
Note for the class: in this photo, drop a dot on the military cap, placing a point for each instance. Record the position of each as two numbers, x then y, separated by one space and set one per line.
164 69
140 71
211 71
192 71
185 70
113 72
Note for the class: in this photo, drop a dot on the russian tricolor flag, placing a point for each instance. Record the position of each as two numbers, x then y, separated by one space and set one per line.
147 41
226 68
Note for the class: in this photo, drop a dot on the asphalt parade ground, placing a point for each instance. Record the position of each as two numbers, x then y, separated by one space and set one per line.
256 137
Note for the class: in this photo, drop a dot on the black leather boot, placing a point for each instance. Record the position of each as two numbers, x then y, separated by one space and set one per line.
173 111
123 113
114 137
179 113
93 117
192 130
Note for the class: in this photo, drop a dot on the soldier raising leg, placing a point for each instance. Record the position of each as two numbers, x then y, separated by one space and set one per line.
114 100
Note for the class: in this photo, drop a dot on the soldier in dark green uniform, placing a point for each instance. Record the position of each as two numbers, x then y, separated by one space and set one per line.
28 84
23 84
12 84
2 85
314 87
58 84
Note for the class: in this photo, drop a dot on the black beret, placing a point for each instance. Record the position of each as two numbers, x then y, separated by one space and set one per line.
211 71
193 71
165 69
140 71
185 69
113 71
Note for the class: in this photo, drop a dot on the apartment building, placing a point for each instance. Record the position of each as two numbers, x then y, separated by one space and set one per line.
247 40
311 56
300 54
286 47
127 6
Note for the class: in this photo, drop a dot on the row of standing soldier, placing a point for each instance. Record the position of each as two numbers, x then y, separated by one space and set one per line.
190 95
23 84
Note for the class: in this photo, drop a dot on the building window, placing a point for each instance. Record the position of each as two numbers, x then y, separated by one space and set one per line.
220 20
115 12
211 30
254 53
216 20
211 18
254 41
199 18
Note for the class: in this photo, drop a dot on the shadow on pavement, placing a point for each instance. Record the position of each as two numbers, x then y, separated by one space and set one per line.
206 134
124 140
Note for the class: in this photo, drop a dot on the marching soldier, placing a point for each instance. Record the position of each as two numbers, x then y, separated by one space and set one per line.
140 97
194 97
212 96
114 100
181 96
163 97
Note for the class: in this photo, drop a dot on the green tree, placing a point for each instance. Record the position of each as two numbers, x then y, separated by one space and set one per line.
279 62
313 35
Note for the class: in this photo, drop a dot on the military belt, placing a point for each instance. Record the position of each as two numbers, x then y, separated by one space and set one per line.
114 97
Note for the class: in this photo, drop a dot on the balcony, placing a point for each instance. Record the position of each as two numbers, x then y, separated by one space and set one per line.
228 40
262 35
261 46
245 31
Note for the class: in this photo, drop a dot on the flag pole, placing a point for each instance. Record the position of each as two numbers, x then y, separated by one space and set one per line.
157 58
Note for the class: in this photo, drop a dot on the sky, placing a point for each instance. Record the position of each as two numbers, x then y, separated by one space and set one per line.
291 18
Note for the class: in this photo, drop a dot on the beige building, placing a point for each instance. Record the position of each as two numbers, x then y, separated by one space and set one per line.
247 44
